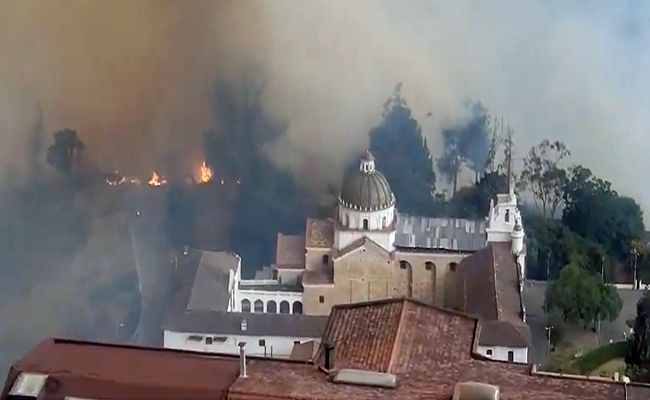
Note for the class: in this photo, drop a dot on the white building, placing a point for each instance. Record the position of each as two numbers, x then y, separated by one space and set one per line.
265 335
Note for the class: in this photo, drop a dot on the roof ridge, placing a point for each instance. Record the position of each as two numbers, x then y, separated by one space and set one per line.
494 281
394 355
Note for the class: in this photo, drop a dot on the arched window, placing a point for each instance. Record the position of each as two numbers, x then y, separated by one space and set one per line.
511 356
489 352
365 224
284 307
345 219
245 305
384 222
258 306
429 266
297 307
326 259
507 216
452 266
404 264
271 307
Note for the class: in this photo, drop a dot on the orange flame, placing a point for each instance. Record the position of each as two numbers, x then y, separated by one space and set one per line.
157 180
205 174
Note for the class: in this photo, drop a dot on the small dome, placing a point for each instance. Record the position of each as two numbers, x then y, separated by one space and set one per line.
366 189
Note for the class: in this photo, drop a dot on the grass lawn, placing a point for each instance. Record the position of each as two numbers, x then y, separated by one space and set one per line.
599 357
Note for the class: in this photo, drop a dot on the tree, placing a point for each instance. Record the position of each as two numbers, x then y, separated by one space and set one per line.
596 212
582 297
544 177
467 143
66 152
402 155
474 201
638 352
267 199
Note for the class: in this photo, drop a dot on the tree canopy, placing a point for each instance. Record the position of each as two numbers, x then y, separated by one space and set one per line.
638 353
267 199
474 201
582 297
544 177
402 155
467 144
66 152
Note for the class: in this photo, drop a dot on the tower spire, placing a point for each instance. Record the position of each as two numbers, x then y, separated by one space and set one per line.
509 145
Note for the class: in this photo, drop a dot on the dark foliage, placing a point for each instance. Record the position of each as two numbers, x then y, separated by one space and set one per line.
638 352
66 151
473 202
403 157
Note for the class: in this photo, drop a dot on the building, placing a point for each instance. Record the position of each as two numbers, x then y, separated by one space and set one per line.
58 369
405 349
265 335
366 251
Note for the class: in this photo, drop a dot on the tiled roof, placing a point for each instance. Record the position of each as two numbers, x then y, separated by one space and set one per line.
115 372
257 324
442 233
319 233
210 287
304 351
290 249
428 349
488 287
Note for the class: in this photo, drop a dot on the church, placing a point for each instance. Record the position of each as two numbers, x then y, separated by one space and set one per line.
369 251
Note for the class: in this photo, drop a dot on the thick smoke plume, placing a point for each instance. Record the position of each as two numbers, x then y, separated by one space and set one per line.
134 78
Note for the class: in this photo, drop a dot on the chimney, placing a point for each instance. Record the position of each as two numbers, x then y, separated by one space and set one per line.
242 360
329 356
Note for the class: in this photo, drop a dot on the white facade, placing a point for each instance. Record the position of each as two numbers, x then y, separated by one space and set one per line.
504 224
500 353
266 301
263 346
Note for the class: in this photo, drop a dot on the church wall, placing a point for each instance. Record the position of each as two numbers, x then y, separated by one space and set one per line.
366 275
430 285
311 298
314 258
376 219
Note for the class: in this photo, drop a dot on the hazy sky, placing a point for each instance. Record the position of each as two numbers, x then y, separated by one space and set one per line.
133 77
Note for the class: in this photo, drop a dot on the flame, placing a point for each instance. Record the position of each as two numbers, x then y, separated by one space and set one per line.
157 180
205 174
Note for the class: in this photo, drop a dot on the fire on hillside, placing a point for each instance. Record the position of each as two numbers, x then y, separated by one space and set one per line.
205 174
157 180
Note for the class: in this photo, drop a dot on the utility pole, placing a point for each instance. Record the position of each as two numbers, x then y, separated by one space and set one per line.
602 268
636 255
548 266
548 328
509 157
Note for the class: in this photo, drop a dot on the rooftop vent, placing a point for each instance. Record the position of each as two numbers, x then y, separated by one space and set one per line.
475 391
366 378
28 385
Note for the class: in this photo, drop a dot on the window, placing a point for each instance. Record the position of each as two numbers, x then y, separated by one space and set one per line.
271 307
321 299
511 356
208 340
403 264
326 259
384 223
297 307
195 338
365 223
245 305
259 306
489 352
445 222
295 342
284 307
452 267
262 343
507 216
428 266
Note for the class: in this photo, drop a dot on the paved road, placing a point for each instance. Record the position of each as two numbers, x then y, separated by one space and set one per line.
534 300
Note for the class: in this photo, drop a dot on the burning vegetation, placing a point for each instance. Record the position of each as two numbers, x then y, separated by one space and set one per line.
157 180
205 174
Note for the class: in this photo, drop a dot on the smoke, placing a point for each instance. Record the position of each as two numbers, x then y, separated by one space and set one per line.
133 78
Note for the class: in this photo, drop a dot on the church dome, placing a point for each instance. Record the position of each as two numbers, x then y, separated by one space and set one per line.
366 189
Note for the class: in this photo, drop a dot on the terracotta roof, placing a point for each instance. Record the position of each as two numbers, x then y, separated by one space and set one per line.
488 287
261 324
290 249
427 348
319 233
115 372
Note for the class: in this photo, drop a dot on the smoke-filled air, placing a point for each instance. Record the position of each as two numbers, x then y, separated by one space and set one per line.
148 90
